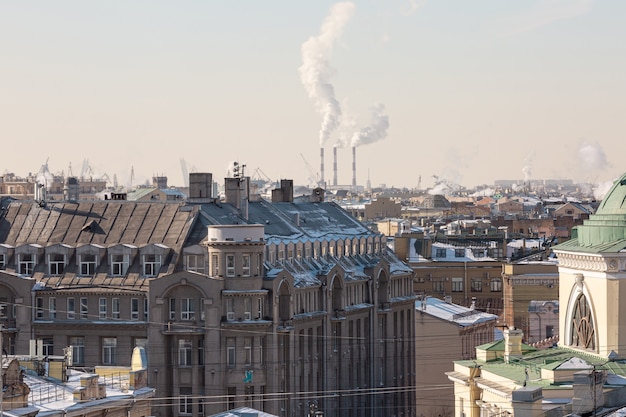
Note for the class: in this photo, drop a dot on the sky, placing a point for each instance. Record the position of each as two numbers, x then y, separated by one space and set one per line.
468 91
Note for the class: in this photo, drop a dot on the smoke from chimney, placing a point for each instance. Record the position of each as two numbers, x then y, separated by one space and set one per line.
354 167
321 167
334 165
377 129
315 71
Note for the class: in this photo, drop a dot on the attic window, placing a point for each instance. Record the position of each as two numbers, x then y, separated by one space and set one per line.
89 226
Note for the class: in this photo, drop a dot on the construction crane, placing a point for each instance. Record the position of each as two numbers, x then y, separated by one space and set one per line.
314 179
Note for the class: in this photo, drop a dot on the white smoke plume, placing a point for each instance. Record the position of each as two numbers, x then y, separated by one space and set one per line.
600 190
591 157
527 170
377 130
315 71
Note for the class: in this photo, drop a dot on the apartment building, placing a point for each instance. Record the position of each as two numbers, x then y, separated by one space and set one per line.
276 305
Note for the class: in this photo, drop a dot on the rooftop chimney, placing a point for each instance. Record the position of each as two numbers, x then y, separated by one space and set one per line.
200 185
284 194
512 344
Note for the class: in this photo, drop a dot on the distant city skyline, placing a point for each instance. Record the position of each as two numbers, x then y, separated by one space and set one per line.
470 92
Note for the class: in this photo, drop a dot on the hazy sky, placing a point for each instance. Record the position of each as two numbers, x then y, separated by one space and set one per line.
471 91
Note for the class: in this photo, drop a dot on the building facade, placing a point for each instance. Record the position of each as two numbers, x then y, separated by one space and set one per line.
586 373
242 302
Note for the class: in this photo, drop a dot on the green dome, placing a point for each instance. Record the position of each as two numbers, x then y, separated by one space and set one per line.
604 231
615 200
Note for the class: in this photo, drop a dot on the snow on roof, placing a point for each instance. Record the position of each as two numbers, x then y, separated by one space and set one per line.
49 395
243 412
454 313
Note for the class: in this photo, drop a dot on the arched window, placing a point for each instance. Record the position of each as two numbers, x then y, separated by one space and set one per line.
583 332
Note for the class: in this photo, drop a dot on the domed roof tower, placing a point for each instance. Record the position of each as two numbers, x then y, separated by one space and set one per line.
592 274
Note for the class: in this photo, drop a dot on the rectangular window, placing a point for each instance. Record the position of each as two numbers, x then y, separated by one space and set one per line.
215 264
109 350
39 308
26 264
496 285
230 265
185 401
4 308
188 309
230 309
459 253
48 346
78 350
247 347
52 308
151 265
477 285
230 351
84 310
3 261
245 265
184 352
71 308
56 263
102 308
247 308
134 309
281 254
195 263
259 312
87 264
457 284
145 309
115 308
440 253
172 309
201 351
438 286
119 265
262 351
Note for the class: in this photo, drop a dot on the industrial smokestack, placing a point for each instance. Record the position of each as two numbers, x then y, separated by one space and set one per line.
354 167
334 165
321 184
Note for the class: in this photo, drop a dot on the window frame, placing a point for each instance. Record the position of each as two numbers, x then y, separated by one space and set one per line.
151 264
109 350
56 263
119 263
71 308
87 268
185 352
26 266
115 308
230 265
187 309
102 308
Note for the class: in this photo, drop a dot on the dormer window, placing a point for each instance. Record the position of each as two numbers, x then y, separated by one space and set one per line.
119 264
151 265
120 257
152 257
87 264
56 263
26 263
